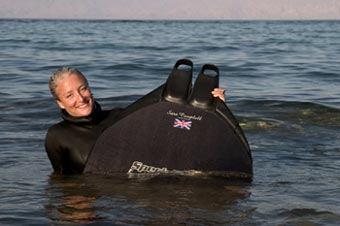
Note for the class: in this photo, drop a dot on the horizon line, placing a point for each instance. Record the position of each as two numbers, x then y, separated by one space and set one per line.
167 19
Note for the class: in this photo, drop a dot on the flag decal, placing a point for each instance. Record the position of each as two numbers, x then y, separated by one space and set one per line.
182 124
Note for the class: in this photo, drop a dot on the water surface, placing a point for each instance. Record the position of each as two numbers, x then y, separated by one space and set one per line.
282 80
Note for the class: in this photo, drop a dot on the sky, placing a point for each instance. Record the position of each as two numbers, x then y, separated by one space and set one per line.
172 9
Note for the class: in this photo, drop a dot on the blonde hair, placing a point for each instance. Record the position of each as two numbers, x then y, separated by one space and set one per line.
60 74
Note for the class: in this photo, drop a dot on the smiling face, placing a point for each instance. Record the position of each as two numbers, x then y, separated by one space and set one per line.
74 95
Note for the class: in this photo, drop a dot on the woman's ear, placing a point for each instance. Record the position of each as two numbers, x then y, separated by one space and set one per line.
60 104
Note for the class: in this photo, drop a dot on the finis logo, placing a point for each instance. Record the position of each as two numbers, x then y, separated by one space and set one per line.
139 167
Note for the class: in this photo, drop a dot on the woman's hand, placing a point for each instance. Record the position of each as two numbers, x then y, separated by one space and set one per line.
218 92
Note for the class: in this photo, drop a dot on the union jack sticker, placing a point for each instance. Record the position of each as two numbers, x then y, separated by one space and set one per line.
182 124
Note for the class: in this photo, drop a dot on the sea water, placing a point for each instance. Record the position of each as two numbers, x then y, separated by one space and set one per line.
282 82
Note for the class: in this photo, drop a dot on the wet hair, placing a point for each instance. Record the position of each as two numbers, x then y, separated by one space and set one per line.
60 74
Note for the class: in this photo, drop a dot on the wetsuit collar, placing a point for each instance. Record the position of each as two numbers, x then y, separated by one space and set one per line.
91 119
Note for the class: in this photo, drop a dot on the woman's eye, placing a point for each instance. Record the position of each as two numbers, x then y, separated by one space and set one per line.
83 88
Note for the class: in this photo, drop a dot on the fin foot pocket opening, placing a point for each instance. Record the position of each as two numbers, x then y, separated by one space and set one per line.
178 85
206 82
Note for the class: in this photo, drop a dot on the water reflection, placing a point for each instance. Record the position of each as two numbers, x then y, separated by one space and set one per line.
156 201
70 201
77 208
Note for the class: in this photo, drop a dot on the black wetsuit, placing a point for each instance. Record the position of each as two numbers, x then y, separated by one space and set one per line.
69 142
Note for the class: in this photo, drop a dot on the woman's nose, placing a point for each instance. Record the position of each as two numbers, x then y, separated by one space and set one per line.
80 96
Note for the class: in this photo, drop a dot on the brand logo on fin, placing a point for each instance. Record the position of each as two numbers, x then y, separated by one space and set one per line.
139 167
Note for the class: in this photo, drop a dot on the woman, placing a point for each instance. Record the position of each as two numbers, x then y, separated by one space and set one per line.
69 142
